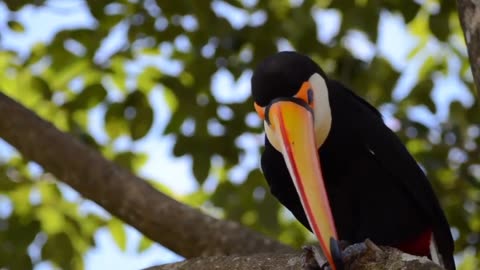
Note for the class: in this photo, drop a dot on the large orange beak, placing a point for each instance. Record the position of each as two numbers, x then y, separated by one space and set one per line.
291 122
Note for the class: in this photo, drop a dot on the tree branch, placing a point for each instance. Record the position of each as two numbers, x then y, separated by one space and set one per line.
469 13
265 261
178 227
359 257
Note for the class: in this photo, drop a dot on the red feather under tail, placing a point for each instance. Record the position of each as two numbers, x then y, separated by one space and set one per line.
419 245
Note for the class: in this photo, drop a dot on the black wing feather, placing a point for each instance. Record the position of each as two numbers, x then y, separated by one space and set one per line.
393 156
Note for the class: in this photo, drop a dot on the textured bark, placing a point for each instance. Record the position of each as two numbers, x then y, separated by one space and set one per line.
236 262
469 13
176 226
360 257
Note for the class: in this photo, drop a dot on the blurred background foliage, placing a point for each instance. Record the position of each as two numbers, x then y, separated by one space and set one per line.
177 50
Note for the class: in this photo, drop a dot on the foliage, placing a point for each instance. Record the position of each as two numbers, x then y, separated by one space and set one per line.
180 49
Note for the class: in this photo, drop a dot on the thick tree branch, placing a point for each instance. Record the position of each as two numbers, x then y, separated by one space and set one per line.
178 227
263 261
361 257
469 13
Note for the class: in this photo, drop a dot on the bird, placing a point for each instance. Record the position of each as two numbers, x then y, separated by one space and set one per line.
331 160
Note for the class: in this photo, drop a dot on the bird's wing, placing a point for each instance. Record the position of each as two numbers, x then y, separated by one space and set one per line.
389 151
393 156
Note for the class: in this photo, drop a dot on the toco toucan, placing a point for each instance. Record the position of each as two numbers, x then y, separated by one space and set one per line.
331 160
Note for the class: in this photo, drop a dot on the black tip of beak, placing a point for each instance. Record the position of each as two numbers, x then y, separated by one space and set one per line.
337 256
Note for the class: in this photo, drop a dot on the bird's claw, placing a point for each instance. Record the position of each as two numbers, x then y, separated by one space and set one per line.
313 258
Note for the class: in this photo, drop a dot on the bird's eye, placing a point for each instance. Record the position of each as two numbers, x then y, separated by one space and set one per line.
306 93
310 96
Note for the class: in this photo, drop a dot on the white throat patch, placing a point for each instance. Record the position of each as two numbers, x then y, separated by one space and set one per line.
322 113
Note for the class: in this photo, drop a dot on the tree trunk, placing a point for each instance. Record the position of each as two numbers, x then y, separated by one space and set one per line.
469 13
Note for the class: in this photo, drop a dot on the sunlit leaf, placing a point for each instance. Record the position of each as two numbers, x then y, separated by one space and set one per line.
144 244
196 198
426 67
470 262
119 235
19 196
69 72
16 26
170 99
115 124
52 221
419 25
129 160
119 75
148 79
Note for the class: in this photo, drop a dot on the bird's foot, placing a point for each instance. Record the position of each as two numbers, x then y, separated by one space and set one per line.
313 258
356 253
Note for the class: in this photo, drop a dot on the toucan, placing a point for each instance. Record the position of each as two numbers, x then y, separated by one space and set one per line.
332 161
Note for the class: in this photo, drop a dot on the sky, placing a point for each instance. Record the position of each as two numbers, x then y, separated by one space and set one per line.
42 23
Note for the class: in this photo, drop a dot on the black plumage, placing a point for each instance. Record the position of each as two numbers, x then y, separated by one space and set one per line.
375 187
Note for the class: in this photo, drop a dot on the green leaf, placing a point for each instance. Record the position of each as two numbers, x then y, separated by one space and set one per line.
6 184
52 221
15 237
144 244
119 76
117 230
19 196
147 80
139 114
50 193
88 98
446 176
165 189
420 94
59 249
439 25
115 124
416 146
61 80
16 26
21 230
41 86
419 26
470 262
426 68
170 99
201 168
195 198
130 160
409 9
